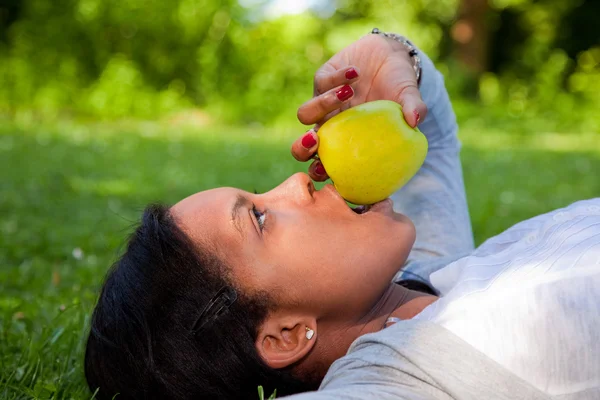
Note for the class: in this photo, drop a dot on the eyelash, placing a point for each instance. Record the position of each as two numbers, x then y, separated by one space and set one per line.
258 215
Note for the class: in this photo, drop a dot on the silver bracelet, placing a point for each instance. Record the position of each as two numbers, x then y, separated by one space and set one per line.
412 50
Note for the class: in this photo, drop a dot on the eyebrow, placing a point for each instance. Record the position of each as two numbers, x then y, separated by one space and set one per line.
240 202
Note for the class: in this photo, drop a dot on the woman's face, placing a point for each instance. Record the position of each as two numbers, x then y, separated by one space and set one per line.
304 247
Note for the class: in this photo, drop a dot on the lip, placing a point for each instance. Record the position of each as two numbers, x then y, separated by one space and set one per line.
329 188
385 206
330 191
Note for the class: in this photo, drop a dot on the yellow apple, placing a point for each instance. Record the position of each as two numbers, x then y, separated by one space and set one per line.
369 151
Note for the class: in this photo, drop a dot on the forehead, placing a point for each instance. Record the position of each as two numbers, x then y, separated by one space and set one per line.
196 203
206 216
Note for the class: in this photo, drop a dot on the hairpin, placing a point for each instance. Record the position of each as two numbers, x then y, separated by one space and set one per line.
217 306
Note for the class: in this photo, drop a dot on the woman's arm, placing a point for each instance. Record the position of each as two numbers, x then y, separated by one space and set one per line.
380 68
434 199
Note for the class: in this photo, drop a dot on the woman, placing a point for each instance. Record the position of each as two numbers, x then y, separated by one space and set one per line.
227 290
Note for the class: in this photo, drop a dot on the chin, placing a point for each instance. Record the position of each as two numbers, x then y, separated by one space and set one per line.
398 225
404 221
403 235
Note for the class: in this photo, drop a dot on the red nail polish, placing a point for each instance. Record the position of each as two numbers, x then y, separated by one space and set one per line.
308 140
351 74
320 169
417 116
344 93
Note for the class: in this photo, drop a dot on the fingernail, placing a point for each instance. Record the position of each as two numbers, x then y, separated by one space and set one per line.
351 74
417 116
344 93
320 169
308 140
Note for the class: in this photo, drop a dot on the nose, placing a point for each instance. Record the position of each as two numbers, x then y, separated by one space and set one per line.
298 187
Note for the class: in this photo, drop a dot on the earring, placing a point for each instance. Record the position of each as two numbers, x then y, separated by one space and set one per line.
309 333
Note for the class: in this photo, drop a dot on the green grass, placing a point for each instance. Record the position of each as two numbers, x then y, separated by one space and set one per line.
70 192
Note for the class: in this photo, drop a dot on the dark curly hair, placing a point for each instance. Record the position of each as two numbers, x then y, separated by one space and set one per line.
142 343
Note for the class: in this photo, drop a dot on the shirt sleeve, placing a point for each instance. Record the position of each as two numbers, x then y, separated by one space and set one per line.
418 360
434 199
375 371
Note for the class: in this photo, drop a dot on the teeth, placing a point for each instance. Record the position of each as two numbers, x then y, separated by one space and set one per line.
361 209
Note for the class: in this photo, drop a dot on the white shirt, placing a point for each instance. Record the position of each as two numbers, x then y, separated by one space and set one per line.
529 299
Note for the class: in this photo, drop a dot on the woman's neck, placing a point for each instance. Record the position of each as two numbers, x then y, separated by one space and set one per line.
397 301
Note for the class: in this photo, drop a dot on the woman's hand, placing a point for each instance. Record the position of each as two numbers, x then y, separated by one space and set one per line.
372 68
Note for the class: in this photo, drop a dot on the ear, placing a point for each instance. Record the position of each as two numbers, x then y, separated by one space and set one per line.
282 339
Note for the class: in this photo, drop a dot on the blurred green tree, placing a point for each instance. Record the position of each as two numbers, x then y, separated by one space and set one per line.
240 62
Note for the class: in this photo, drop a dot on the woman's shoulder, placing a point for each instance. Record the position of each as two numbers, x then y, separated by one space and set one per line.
420 359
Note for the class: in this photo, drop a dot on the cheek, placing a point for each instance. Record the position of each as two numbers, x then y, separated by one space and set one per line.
322 245
321 260
365 257
306 253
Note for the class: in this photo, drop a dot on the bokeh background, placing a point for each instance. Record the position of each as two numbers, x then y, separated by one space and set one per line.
107 105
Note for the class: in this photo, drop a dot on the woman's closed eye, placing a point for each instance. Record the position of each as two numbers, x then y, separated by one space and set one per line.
261 217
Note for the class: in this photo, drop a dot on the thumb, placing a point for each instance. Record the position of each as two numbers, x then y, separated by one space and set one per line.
413 106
